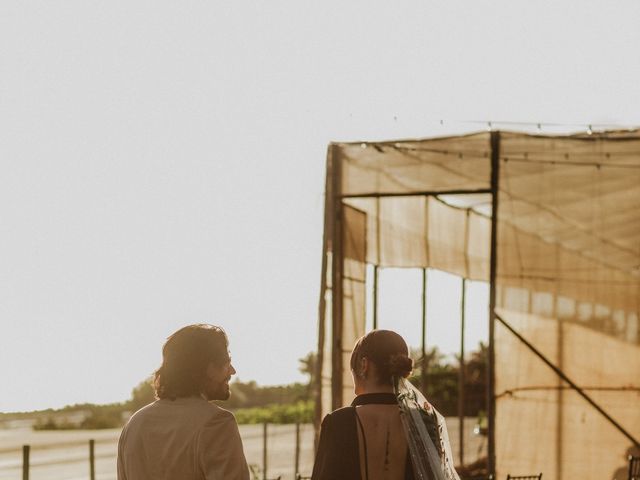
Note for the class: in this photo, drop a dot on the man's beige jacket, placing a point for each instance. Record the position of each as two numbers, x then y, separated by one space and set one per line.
182 439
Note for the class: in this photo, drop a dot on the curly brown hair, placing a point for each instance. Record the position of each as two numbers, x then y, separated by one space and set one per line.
185 357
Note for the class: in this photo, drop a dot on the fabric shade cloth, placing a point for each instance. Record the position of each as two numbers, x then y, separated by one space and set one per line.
567 275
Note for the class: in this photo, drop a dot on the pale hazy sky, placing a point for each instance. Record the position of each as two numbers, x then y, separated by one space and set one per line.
162 163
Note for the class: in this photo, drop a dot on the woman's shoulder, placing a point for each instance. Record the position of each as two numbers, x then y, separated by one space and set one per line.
337 455
340 414
340 420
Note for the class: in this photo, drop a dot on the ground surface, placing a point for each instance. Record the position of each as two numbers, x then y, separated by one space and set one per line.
64 455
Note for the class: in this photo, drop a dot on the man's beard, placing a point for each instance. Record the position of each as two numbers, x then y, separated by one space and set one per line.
220 391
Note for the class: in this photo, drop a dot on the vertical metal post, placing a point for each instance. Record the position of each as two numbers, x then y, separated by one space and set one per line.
491 397
297 456
463 316
336 287
322 303
425 364
461 375
560 406
376 266
427 256
26 449
375 297
92 459
560 364
264 451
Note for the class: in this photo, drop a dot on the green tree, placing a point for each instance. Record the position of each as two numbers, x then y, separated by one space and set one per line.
308 365
143 394
441 388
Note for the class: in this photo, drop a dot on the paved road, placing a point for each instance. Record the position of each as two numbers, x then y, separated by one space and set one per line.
64 455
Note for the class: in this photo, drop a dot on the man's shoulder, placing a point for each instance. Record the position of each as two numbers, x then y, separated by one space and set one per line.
199 411
215 414
218 424
139 414
136 420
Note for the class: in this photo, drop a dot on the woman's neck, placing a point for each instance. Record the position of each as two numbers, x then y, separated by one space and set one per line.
373 388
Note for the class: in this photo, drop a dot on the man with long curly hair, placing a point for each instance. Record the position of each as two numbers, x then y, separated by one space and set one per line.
181 435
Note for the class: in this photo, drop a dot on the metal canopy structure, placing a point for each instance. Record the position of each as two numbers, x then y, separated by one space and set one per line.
552 223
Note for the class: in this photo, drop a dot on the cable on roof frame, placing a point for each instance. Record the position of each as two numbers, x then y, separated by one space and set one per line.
589 127
553 279
470 153
577 164
527 158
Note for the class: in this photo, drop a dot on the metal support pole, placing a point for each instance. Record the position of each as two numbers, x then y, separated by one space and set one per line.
425 364
264 451
26 449
419 193
92 459
297 456
376 266
461 375
560 352
560 406
322 303
463 316
337 289
375 297
491 395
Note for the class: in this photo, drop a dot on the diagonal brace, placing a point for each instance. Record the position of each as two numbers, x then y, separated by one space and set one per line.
564 377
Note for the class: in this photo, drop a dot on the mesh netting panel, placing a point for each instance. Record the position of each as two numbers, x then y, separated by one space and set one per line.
325 368
409 166
353 291
568 275
419 231
568 256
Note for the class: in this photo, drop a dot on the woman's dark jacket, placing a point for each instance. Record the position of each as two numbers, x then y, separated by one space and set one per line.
338 456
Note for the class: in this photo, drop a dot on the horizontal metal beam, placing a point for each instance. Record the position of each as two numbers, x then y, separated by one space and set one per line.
428 193
540 388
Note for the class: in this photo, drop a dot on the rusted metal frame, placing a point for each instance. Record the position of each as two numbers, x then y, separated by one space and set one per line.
336 284
376 267
375 296
461 375
427 193
560 354
540 388
424 366
461 371
322 305
491 397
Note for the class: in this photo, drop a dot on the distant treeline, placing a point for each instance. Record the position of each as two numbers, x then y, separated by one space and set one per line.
96 417
252 403
443 380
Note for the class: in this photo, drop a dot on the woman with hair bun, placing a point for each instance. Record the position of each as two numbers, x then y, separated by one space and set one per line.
390 432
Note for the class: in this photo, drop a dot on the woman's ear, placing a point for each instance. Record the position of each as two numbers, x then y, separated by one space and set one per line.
364 367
